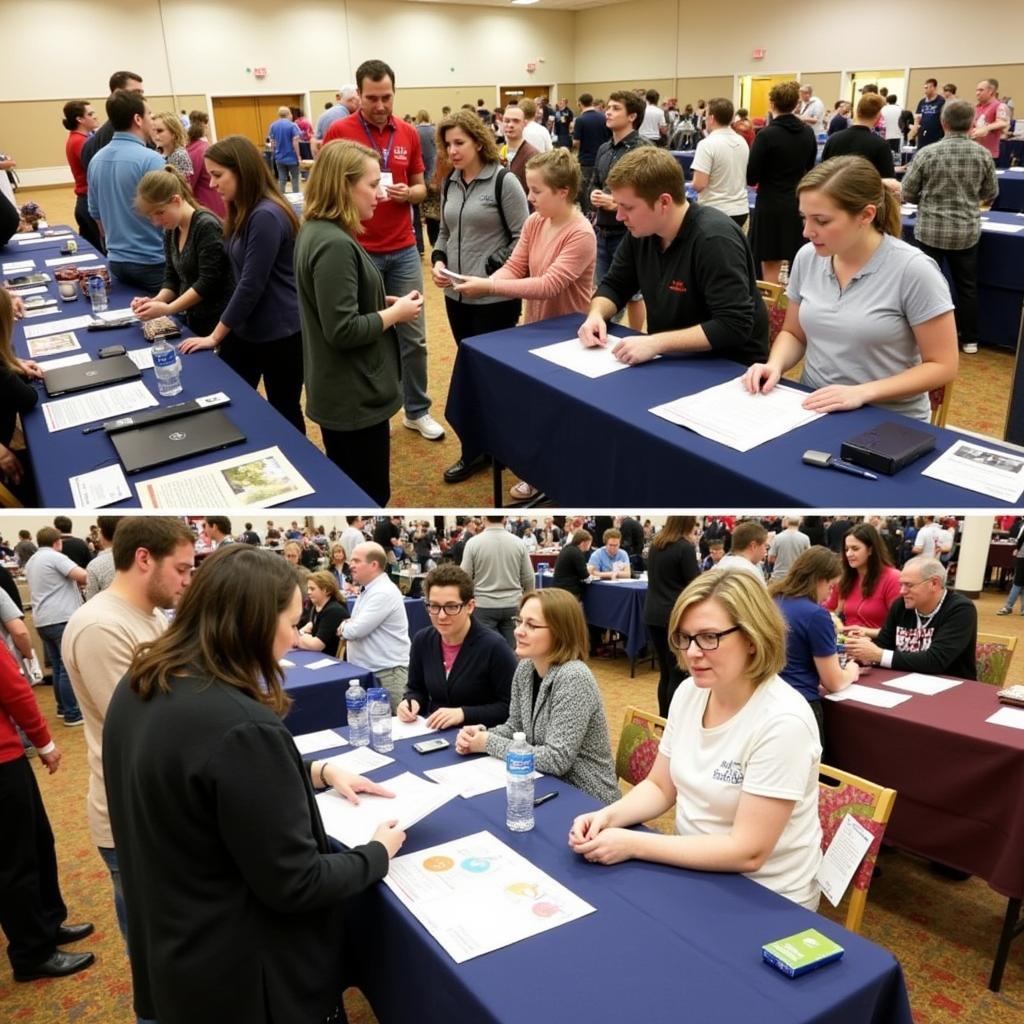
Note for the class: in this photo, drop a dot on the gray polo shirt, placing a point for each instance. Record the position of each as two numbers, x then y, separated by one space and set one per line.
865 331
500 567
55 597
785 549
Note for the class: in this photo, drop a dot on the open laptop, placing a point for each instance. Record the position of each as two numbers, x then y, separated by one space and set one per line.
66 380
159 443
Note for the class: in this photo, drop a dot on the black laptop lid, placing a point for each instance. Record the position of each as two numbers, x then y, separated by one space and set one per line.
66 380
160 443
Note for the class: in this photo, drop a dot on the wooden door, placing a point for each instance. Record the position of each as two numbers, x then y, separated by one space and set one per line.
759 89
515 93
248 115
266 110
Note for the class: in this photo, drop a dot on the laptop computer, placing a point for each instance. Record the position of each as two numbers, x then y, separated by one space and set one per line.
66 380
160 443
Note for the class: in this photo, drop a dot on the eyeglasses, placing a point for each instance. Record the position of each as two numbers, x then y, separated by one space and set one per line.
904 585
448 609
530 627
681 641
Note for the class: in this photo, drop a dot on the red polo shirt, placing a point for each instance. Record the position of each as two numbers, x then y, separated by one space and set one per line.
390 228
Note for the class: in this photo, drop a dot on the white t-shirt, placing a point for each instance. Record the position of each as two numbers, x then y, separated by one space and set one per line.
931 539
650 127
891 116
769 748
730 562
537 136
816 109
723 156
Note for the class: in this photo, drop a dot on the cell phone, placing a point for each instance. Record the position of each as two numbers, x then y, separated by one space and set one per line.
452 275
111 350
23 279
429 746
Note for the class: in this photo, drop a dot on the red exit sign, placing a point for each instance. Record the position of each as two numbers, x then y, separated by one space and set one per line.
759 54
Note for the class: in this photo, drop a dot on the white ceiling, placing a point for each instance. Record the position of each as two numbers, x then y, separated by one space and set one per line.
541 5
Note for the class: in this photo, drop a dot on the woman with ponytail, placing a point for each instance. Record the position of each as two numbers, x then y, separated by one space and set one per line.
197 278
870 315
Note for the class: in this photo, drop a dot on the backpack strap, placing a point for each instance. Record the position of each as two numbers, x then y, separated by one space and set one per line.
499 182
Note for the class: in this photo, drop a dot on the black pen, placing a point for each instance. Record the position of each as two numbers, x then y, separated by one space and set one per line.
93 429
545 798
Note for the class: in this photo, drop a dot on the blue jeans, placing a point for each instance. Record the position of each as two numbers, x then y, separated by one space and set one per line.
607 246
147 276
109 856
65 696
403 273
1015 592
286 171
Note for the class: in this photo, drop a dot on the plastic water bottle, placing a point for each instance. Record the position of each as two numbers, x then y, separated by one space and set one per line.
379 704
358 716
98 293
167 366
519 785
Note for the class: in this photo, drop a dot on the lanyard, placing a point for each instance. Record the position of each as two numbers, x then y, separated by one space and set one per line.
384 153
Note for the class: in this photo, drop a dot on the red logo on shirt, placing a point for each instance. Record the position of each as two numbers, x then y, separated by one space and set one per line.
677 286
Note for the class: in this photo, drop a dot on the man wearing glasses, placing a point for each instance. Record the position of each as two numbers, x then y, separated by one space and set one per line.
931 629
459 671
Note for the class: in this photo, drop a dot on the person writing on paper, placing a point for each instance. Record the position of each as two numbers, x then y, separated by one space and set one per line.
327 611
459 671
692 264
17 396
869 314
739 757
931 630
197 278
555 699
224 860
610 562
869 583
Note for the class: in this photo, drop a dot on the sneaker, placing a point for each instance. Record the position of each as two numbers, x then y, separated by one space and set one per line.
59 713
1006 611
72 723
970 347
426 425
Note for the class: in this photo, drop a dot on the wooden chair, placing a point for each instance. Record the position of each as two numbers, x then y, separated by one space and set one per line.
774 296
992 654
940 399
8 499
840 794
638 745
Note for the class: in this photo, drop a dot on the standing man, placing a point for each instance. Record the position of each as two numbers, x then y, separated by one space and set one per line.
949 181
720 164
100 570
991 116
283 135
841 117
563 124
74 547
346 102
811 110
352 536
499 565
787 547
388 236
892 114
535 134
127 80
24 549
749 546
653 128
589 132
515 151
932 540
135 248
377 633
928 118
218 529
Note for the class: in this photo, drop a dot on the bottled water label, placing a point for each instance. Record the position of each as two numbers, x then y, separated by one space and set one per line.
519 764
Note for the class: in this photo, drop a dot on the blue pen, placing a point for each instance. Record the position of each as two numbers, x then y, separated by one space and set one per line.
849 467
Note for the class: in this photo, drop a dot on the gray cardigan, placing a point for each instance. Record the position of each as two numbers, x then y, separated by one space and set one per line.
567 728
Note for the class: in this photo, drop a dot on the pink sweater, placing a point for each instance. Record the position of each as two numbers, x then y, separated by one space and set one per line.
870 611
554 275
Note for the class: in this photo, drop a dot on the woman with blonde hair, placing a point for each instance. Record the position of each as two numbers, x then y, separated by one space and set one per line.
170 139
555 699
350 345
739 757
197 277
869 314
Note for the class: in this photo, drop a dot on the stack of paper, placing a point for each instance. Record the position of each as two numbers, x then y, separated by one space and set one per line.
868 695
92 406
915 682
407 730
473 777
313 742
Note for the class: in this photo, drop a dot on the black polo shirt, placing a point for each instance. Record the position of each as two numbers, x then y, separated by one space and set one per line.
608 155
860 141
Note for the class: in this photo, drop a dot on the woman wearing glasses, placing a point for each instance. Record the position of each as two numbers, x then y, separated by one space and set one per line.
739 758
555 699
459 671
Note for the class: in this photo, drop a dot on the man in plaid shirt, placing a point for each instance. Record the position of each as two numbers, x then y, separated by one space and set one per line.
949 181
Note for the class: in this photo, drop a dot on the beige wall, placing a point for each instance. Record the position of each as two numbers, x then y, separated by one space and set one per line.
1010 77
825 85
690 90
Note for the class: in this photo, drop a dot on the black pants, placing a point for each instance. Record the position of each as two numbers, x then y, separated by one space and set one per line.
963 268
278 362
819 716
670 675
87 227
739 218
365 455
31 907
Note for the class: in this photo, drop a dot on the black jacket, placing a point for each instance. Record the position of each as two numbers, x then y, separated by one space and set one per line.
782 153
571 570
670 570
944 647
16 396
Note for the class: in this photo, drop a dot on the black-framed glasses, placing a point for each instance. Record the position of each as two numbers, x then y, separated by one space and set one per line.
530 627
706 641
449 609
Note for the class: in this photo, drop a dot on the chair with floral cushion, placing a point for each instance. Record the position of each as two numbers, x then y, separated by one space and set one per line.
840 794
939 399
638 745
774 296
992 653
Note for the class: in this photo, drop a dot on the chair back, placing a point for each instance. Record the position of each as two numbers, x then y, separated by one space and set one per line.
638 745
992 654
774 296
840 794
8 499
939 399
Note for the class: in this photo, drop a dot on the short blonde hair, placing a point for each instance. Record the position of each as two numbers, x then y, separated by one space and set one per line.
746 600
173 124
564 618
559 168
338 167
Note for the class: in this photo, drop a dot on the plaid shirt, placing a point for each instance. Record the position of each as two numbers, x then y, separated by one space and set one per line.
949 180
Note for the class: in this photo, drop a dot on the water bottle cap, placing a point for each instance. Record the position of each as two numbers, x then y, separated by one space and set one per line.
353 682
519 737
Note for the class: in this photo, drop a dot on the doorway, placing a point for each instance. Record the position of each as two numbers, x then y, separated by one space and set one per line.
754 91
892 80
514 93
250 115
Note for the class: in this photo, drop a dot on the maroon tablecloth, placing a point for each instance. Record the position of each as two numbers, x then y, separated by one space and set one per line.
959 779
550 557
1000 555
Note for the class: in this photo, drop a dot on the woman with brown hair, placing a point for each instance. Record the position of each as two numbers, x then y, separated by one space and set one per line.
869 583
327 611
555 699
198 144
225 863
258 334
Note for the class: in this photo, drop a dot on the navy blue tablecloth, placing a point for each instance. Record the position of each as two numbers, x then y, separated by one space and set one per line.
318 694
1011 190
618 606
1010 150
664 945
684 157
528 412
56 457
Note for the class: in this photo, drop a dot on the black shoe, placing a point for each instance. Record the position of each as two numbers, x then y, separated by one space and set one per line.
73 932
60 965
462 470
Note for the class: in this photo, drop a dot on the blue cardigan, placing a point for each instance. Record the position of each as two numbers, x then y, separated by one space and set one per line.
480 681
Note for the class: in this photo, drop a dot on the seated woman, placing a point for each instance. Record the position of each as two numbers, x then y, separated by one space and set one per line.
338 568
812 660
555 699
869 584
869 314
327 611
739 758
459 671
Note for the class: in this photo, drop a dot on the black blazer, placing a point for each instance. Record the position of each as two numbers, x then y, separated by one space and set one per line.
480 681
669 571
233 900
571 570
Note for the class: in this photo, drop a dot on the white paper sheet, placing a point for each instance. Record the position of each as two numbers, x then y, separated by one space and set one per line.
729 414
574 355
141 357
1005 229
407 730
100 487
867 695
321 663
285 663
113 315
72 323
37 289
476 894
48 310
51 344
86 257
313 742
971 465
361 759
842 858
1012 717
353 825
12 267
473 777
24 240
53 364
94 406
916 682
